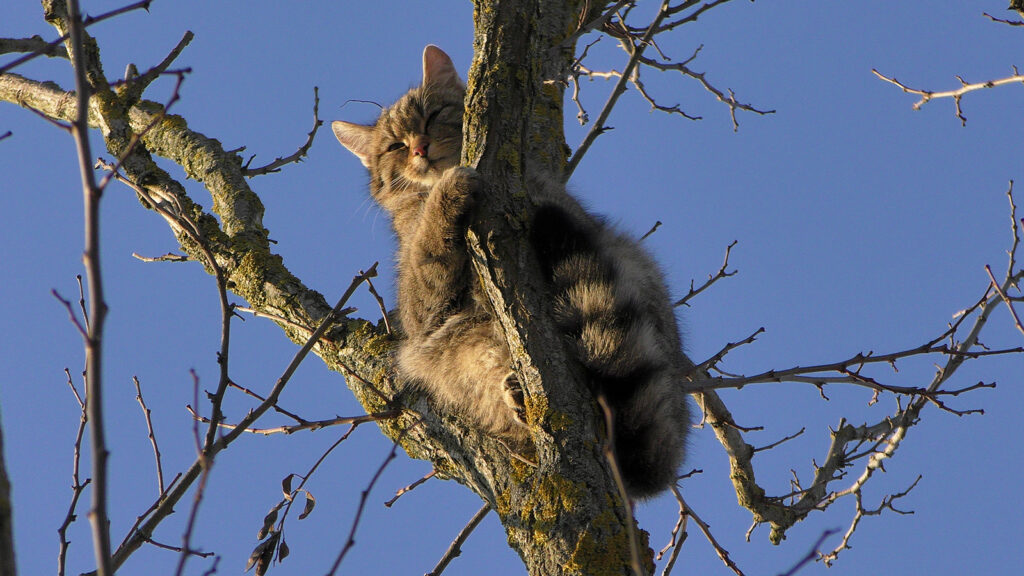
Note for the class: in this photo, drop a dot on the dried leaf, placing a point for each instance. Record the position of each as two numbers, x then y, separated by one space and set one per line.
268 522
310 503
262 555
282 551
286 486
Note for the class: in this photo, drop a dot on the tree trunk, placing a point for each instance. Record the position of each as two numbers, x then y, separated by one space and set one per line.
565 516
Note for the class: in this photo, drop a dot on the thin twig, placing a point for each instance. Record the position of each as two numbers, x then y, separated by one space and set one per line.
278 534
77 487
810 555
778 442
1000 20
679 534
599 126
609 453
169 257
71 313
299 154
307 425
657 224
152 435
886 503
409 488
380 304
277 408
455 549
179 549
166 504
351 540
722 553
712 278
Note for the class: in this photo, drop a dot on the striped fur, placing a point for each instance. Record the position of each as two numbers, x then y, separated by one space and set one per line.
609 297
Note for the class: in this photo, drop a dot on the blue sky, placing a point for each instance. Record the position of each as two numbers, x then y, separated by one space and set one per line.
862 225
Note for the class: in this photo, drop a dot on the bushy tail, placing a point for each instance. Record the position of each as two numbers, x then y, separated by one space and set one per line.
603 305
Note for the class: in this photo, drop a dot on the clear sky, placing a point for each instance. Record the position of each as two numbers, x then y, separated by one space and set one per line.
862 226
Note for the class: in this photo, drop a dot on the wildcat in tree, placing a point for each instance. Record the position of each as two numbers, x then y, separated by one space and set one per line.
609 297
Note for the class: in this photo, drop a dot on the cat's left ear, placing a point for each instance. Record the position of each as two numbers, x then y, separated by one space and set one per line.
438 67
357 138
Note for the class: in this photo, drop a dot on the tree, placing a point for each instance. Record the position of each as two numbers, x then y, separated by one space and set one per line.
555 523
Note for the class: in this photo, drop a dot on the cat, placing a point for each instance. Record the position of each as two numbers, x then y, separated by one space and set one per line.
609 297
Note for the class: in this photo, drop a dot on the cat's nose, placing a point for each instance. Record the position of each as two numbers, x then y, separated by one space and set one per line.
420 146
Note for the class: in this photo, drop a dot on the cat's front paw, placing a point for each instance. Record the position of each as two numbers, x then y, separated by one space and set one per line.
514 397
459 186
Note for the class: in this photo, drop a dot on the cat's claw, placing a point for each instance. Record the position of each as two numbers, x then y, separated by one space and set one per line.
514 397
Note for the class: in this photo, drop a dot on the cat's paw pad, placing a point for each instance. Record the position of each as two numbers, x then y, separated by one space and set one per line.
514 397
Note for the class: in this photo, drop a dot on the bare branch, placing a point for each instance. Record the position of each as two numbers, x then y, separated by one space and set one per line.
886 504
299 154
409 488
136 84
679 534
71 313
811 555
455 549
77 487
956 95
72 21
712 278
52 49
306 425
636 51
350 541
380 303
729 100
722 553
169 257
165 506
152 435
778 442
34 46
1008 22
657 224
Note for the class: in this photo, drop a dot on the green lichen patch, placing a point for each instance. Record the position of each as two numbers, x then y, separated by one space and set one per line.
603 548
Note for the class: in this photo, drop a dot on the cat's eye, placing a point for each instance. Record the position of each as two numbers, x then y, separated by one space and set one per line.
433 116
396 146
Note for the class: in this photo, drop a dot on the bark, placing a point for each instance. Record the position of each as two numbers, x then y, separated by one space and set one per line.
7 564
562 512
565 516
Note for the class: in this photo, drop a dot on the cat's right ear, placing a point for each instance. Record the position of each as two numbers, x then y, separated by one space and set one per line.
356 137
438 67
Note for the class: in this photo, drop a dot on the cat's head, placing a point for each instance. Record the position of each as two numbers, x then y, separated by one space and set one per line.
417 138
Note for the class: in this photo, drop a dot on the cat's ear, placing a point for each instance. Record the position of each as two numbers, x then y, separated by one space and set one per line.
438 67
356 137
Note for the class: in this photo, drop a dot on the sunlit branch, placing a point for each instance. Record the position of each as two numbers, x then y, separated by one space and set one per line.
410 488
957 94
